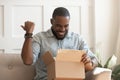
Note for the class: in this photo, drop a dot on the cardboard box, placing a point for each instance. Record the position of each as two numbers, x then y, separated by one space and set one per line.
66 65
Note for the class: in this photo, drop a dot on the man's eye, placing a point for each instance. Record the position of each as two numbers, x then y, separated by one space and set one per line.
66 25
58 25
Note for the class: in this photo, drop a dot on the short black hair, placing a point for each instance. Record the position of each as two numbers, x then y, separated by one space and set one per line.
60 11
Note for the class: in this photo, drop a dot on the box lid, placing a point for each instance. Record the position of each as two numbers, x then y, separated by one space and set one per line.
69 55
47 58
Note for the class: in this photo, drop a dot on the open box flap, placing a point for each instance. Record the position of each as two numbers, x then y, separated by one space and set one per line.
47 58
69 55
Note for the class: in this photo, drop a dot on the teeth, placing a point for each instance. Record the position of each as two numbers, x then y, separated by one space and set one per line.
61 33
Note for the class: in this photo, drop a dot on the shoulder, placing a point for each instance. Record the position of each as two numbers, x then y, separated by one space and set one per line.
43 34
40 35
74 35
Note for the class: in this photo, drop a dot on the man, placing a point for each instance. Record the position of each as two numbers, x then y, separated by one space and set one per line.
58 37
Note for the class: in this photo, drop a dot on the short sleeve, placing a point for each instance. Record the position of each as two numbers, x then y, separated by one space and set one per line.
35 48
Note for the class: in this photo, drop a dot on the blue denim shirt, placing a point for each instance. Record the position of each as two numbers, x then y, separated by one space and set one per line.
46 41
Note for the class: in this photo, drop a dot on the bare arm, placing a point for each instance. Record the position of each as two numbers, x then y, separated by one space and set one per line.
27 54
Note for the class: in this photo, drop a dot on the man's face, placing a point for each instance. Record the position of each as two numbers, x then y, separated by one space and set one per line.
60 26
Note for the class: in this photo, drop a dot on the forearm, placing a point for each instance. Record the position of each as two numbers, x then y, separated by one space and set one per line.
27 54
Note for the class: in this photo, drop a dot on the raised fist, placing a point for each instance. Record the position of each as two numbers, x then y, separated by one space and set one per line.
28 26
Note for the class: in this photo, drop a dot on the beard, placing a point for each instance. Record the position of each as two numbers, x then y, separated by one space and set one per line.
58 36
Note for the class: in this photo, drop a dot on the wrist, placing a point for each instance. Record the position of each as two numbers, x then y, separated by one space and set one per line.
28 35
89 66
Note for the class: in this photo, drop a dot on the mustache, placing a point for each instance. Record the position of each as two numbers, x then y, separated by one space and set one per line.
60 31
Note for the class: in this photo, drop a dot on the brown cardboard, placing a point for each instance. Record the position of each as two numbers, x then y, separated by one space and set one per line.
66 65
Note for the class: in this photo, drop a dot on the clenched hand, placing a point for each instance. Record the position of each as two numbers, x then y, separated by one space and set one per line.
28 26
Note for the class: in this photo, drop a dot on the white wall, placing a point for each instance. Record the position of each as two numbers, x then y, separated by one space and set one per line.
15 12
106 27
118 40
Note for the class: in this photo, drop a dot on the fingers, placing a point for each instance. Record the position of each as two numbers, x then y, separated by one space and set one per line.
29 23
85 59
87 62
28 26
22 26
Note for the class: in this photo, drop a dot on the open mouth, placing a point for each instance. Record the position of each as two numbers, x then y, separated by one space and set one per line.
61 33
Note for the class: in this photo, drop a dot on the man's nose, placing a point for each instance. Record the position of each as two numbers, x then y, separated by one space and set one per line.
62 28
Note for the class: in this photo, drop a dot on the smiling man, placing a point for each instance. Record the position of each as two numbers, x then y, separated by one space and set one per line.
60 26
57 37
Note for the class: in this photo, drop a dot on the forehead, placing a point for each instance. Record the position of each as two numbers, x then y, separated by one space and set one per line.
62 19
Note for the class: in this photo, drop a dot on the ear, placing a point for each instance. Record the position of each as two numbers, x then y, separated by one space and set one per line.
51 21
